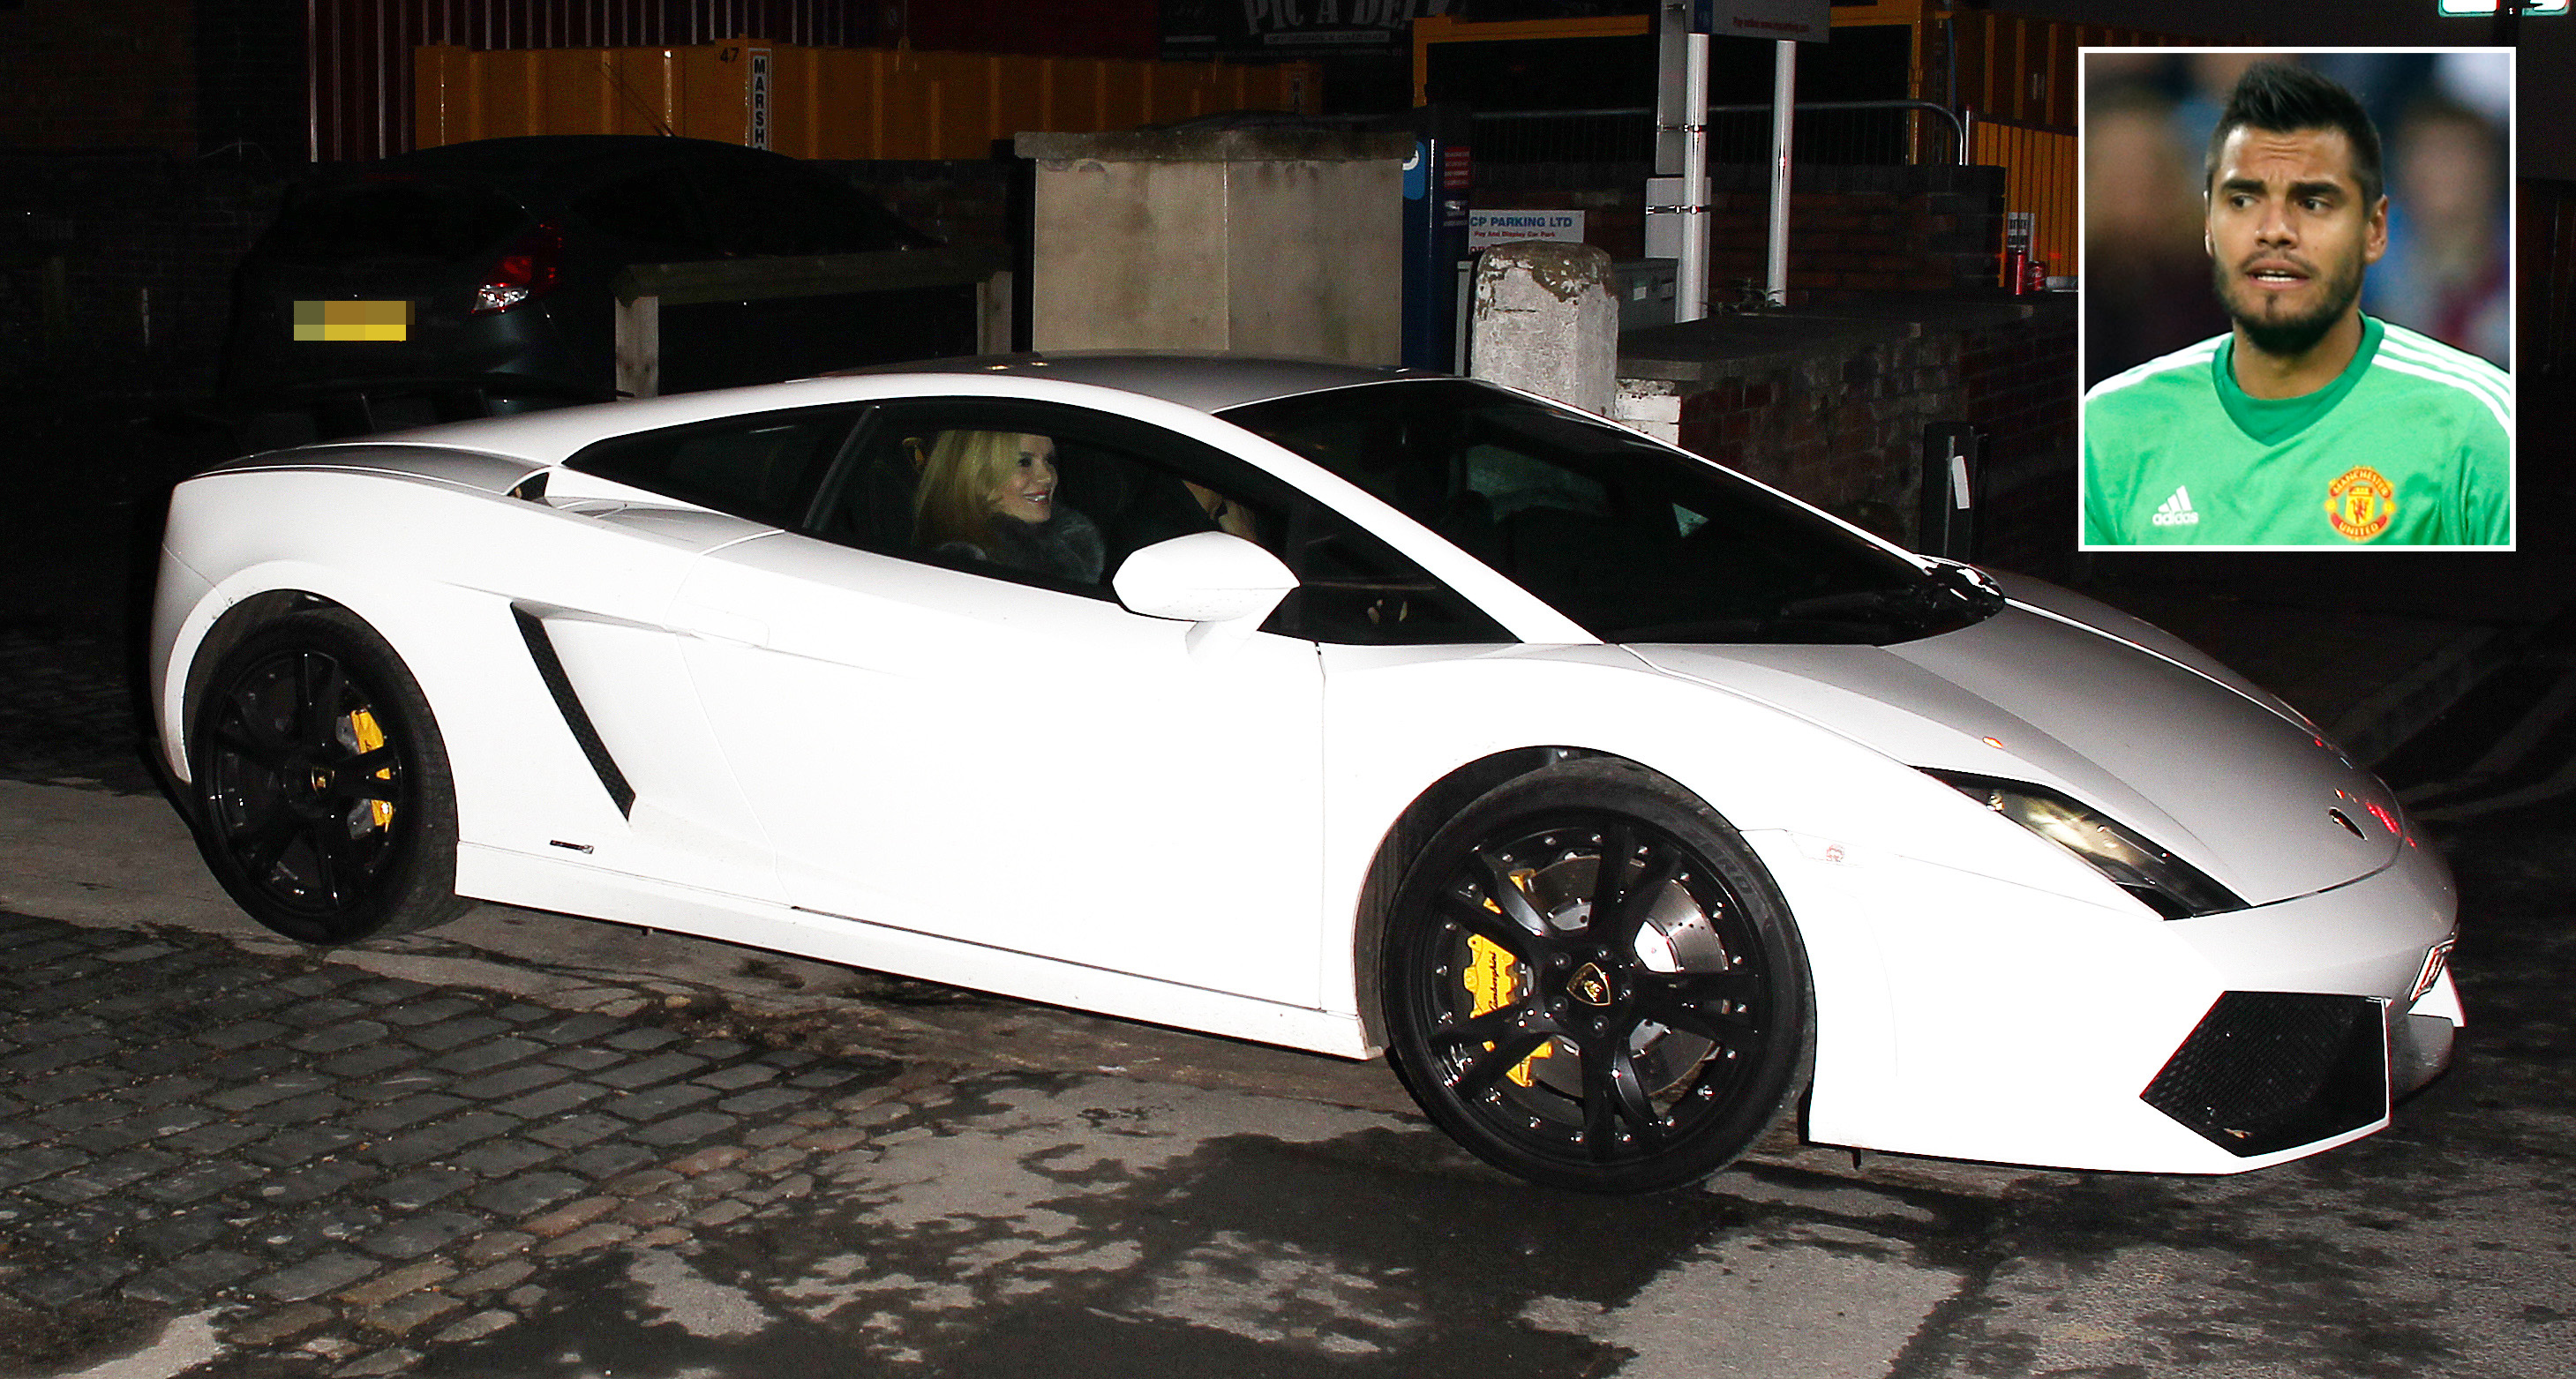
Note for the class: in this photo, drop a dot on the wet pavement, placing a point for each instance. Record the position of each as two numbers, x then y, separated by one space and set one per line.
231 1158
224 1157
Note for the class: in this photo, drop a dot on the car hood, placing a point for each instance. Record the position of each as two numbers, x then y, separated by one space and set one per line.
2059 691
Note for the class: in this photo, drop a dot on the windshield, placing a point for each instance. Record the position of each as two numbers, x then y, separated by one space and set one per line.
1636 542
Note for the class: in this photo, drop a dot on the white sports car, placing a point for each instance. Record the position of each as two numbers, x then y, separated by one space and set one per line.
1626 803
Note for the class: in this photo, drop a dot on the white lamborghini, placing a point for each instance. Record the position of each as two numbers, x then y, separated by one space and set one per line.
1625 803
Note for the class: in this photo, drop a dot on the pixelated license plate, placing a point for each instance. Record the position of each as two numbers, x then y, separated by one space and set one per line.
353 320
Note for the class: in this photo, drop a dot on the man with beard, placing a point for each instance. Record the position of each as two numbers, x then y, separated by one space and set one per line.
2308 423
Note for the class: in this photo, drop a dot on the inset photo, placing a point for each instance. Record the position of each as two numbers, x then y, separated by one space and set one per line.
2297 298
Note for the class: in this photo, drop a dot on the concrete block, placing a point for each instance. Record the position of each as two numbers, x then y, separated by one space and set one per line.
1655 410
1546 319
1285 243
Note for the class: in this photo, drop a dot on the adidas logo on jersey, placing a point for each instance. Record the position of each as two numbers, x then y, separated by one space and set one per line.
2177 511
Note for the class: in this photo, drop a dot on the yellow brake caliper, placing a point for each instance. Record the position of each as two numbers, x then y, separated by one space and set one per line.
362 728
1493 982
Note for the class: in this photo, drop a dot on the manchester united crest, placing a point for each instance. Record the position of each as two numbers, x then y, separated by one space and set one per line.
2360 503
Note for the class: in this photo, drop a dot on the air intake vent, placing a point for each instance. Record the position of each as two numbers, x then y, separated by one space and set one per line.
2269 1070
541 649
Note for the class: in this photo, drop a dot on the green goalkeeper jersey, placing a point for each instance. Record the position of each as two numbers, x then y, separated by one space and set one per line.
2409 446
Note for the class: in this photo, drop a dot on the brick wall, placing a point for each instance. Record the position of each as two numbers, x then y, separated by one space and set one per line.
98 74
123 261
1856 232
1611 196
2020 389
1839 419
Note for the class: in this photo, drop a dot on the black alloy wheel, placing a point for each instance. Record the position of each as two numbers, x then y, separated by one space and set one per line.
323 798
1593 983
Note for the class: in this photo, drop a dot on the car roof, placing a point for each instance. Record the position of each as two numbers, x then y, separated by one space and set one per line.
543 172
1200 382
1207 382
548 167
536 153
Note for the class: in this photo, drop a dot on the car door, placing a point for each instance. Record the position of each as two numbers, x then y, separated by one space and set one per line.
946 744
637 512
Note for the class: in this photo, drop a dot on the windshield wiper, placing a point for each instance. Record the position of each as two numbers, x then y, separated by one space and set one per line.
1858 605
1946 599
1972 585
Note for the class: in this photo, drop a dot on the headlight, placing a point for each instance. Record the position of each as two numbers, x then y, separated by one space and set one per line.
2161 881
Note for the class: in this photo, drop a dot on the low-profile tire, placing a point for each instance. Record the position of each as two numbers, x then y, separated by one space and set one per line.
323 800
1604 1028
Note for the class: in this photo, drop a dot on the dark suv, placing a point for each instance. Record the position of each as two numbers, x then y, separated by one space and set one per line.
481 277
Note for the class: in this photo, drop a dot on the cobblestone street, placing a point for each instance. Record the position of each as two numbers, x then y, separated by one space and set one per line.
67 716
229 1164
352 1164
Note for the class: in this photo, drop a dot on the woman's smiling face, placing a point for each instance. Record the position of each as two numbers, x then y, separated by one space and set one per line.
1027 489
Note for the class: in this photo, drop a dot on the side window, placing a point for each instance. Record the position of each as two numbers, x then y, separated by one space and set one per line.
1355 590
1035 493
950 482
653 211
765 468
1510 480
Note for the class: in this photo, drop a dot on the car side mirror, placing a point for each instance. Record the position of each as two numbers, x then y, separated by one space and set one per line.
1223 584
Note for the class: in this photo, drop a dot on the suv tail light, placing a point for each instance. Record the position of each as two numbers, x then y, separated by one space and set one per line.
530 267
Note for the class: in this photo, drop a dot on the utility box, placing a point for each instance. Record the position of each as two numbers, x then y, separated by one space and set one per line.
1437 181
1262 241
1646 292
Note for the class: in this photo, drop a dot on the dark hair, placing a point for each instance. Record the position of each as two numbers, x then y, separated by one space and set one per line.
2279 97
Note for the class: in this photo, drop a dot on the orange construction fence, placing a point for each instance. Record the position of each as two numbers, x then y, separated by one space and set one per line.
2039 177
859 103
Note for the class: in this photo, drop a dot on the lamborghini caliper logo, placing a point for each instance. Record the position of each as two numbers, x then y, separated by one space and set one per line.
1493 981
1591 985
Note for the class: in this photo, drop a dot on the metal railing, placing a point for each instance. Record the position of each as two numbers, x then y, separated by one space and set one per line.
1624 134
1836 132
1860 133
